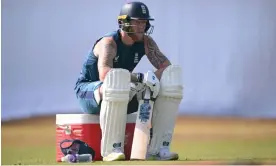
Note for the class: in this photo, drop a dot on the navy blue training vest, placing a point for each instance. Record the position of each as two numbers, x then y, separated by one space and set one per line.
127 57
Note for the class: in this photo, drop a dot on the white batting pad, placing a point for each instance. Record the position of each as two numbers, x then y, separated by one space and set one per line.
166 108
113 115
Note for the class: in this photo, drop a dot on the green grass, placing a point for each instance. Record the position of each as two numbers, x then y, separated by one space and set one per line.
188 151
198 141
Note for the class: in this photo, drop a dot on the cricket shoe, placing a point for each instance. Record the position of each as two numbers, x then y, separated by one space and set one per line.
164 155
116 155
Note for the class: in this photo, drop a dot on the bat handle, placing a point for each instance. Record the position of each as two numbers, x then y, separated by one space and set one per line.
148 93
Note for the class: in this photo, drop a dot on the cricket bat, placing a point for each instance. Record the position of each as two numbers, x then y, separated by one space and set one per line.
141 134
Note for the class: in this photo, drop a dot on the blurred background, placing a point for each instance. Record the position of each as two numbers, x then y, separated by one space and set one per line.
227 49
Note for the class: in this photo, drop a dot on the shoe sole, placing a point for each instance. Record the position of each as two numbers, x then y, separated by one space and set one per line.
174 157
117 158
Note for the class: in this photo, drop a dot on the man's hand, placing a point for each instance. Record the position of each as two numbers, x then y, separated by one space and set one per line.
152 82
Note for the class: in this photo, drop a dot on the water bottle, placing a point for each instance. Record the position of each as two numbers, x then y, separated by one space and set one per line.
76 158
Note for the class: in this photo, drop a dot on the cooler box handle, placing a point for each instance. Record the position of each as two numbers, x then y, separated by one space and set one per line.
67 129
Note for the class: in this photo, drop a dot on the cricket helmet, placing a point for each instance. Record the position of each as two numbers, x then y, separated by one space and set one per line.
134 11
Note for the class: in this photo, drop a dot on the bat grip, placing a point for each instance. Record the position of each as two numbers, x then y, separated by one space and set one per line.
148 93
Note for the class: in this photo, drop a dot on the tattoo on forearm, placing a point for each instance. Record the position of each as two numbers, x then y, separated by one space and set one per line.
155 56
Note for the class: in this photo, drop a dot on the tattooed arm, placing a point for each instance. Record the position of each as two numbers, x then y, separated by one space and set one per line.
155 56
106 51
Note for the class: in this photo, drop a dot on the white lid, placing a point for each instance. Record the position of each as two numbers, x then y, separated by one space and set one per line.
86 118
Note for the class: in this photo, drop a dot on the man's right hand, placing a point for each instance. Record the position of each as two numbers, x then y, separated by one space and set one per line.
152 82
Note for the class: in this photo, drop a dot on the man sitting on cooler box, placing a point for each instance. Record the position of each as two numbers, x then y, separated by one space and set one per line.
107 85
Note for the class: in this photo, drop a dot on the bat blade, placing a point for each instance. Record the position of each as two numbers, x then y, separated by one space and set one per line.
141 134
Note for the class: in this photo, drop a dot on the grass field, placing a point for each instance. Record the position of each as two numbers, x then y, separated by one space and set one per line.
197 140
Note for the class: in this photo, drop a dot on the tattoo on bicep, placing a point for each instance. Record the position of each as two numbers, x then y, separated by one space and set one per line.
107 55
155 56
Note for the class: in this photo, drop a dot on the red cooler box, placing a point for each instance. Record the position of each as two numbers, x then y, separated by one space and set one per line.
86 127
